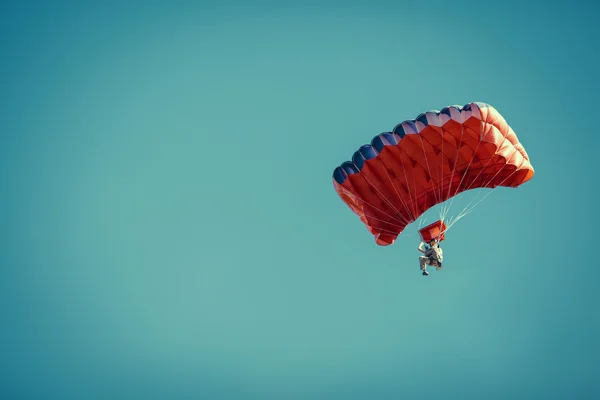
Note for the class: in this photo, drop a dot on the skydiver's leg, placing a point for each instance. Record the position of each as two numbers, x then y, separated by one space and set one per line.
423 264
435 263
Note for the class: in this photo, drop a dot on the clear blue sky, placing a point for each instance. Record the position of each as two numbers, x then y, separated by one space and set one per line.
170 228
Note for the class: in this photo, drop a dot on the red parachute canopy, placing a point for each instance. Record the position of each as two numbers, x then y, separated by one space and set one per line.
423 162
436 231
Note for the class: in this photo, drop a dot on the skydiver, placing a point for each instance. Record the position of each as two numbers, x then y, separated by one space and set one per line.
433 256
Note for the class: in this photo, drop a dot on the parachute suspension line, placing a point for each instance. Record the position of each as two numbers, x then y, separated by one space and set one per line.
492 179
371 217
386 199
434 191
387 231
442 167
442 154
490 192
422 222
362 214
485 166
482 169
466 211
408 185
454 220
429 170
396 190
462 127
346 191
445 208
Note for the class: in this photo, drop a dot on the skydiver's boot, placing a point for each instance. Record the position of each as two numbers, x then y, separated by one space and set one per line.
425 273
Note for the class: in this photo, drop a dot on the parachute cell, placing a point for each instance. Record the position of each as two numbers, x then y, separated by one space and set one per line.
423 162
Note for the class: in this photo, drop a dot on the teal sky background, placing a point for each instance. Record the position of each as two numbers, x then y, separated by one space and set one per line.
170 228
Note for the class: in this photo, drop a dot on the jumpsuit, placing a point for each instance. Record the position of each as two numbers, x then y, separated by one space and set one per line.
433 256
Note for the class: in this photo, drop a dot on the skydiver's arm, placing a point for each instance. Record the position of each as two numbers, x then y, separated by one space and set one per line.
420 248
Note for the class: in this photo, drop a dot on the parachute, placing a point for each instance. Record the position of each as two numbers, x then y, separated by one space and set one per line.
423 162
